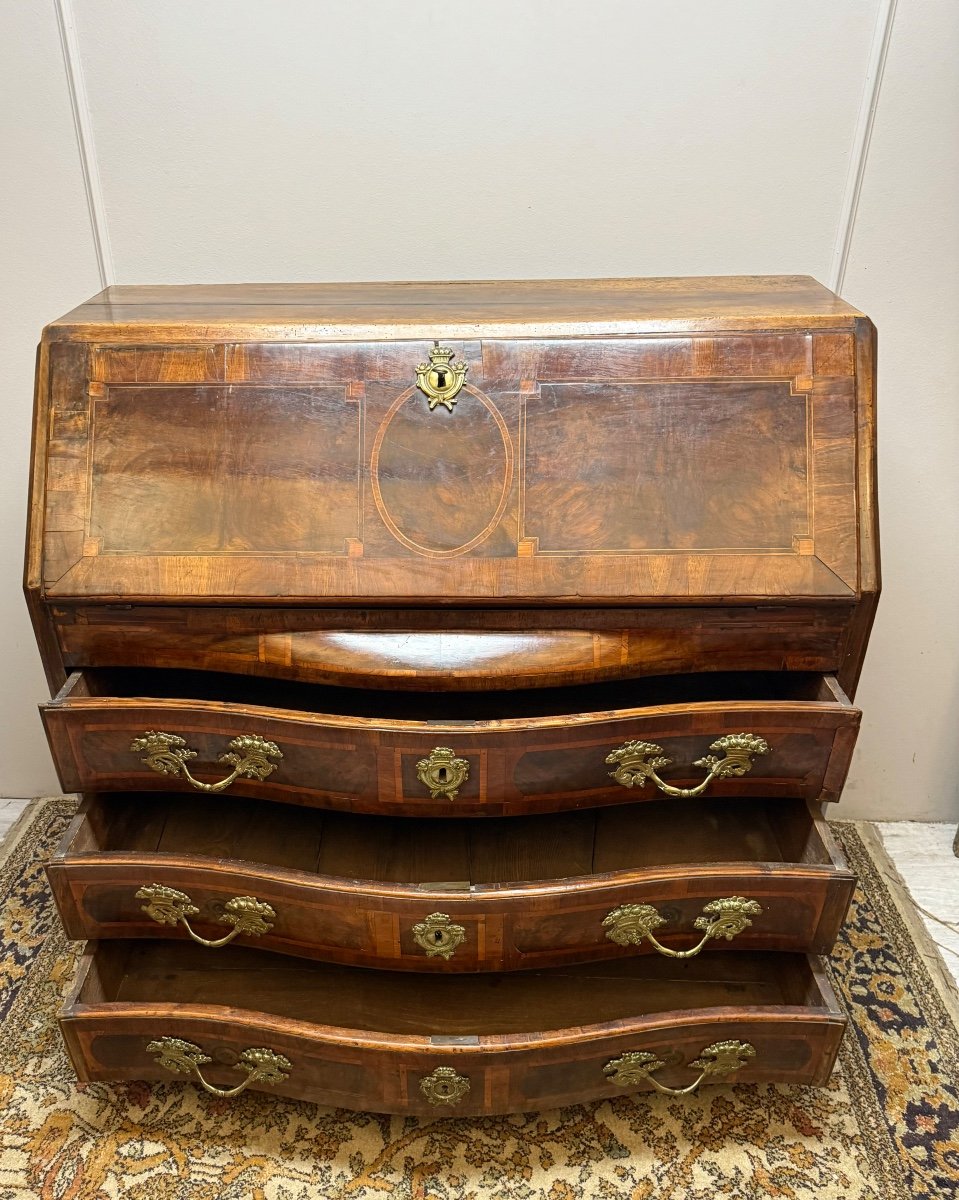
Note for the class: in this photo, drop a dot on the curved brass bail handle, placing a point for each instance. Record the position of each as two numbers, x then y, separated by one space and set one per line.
213 944
209 787
631 924
721 1058
168 906
636 762
168 754
185 1058
226 1093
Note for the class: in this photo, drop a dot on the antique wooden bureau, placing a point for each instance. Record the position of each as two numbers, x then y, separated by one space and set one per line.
453 675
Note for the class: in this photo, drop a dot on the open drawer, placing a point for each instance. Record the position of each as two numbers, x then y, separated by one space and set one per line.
381 1041
453 895
773 735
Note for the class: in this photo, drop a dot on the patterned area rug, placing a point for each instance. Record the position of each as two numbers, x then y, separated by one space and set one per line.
886 1128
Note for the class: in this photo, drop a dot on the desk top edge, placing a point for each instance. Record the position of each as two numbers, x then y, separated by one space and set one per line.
464 308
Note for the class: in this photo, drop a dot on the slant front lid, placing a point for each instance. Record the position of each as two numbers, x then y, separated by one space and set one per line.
673 466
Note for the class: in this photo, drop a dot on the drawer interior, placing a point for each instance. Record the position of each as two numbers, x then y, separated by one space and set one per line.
463 851
400 1003
720 687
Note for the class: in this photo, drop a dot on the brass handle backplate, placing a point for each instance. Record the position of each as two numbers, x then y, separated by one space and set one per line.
168 754
631 924
444 1086
442 772
438 935
184 1058
246 914
721 1058
440 379
636 762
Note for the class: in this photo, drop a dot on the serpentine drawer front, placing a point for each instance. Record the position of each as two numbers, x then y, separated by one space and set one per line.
458 1045
454 896
743 734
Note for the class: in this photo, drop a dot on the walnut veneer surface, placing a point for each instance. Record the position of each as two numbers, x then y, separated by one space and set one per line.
370 613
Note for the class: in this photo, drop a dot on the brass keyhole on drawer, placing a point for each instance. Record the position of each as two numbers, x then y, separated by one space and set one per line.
444 1086
442 772
438 935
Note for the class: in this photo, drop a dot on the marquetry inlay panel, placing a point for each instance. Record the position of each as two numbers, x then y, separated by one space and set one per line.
642 466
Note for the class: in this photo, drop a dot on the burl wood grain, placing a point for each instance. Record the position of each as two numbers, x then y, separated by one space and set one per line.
365 1040
528 893
517 763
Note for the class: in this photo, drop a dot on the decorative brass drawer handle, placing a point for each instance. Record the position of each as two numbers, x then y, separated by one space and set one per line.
631 924
721 1058
444 1086
443 773
184 1058
439 935
168 754
440 379
636 762
246 914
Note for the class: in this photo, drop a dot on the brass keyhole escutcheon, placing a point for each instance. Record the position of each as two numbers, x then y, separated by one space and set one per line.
442 772
444 1086
440 379
438 935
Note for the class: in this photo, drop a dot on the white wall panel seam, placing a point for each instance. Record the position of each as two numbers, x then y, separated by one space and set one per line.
86 145
872 85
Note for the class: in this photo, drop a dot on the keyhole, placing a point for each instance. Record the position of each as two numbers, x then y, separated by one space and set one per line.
440 378
438 936
441 774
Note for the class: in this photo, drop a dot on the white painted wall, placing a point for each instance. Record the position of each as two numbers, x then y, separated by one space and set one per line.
330 139
904 271
46 264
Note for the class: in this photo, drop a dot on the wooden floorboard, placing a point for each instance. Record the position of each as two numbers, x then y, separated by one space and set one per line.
922 852
10 811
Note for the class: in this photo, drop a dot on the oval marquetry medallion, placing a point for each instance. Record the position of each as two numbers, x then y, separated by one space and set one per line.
441 480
